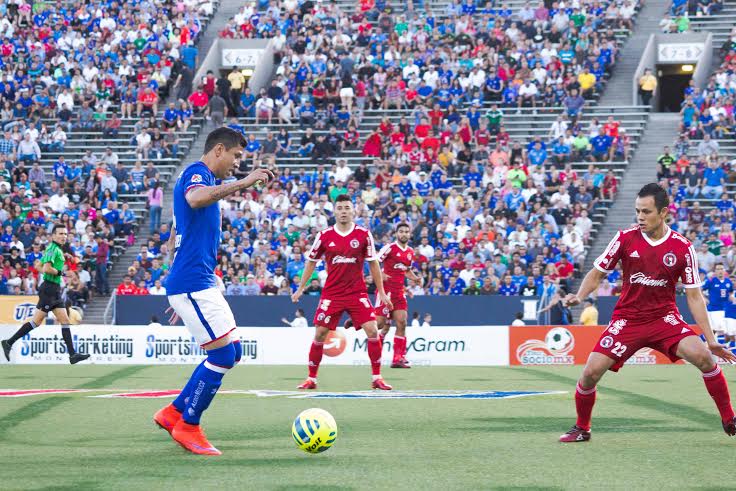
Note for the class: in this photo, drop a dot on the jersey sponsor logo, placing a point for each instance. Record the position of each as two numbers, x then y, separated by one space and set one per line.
643 279
617 326
354 244
688 260
606 342
325 304
669 260
688 275
680 238
634 254
400 266
344 260
196 178
331 244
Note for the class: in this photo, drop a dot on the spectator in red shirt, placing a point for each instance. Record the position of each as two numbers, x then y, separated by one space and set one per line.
565 270
372 146
199 100
147 99
127 287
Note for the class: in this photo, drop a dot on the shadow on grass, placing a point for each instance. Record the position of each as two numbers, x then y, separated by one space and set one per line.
42 406
691 414
541 425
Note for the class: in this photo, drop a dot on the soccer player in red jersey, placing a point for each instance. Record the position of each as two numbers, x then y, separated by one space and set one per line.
654 258
344 247
397 258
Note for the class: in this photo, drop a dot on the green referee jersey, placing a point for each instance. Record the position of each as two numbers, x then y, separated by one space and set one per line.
54 255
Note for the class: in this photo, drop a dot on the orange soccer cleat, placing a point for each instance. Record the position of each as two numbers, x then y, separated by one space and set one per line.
380 384
192 438
308 384
167 417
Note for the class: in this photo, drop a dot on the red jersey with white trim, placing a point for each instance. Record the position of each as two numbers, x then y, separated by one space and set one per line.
651 270
396 262
344 256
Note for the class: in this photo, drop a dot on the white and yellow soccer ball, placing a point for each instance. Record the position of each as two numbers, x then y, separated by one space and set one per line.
314 430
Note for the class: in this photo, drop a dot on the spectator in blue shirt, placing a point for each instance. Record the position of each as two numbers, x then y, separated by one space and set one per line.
713 178
537 155
508 288
601 146
561 151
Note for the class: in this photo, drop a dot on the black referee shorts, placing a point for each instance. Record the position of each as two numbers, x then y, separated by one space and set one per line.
49 297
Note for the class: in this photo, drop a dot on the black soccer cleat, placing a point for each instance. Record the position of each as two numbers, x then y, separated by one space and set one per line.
730 427
575 434
7 347
77 357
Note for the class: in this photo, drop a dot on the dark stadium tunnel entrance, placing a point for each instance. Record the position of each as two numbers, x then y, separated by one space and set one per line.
673 80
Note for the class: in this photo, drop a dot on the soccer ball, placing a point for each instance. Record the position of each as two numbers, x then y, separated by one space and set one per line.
559 339
314 430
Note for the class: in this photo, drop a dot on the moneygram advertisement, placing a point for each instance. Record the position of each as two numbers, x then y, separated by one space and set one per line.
565 345
471 346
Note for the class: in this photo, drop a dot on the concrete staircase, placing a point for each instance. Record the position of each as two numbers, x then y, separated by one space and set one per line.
619 89
95 311
661 131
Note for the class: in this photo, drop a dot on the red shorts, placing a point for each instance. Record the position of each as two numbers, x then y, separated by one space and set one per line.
330 310
623 337
398 299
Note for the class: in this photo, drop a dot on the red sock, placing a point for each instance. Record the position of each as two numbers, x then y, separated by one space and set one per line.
315 357
374 353
584 401
717 387
399 347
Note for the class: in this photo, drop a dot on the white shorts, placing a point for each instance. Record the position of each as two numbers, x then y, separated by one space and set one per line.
206 314
730 326
717 320
347 92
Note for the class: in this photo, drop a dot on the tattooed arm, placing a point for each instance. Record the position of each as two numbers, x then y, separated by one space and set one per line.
203 196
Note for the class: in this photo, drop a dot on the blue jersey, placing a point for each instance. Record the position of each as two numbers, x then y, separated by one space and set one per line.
197 235
718 293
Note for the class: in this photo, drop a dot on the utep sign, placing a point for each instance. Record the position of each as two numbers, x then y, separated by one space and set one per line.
565 345
16 308
262 346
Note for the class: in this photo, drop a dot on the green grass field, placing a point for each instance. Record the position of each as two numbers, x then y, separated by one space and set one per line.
653 427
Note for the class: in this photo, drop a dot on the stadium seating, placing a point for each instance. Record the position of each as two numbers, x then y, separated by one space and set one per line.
33 106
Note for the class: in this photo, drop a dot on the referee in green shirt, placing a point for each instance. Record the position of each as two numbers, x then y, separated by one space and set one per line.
49 297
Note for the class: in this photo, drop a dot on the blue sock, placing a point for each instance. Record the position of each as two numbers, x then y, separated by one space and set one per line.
207 380
180 403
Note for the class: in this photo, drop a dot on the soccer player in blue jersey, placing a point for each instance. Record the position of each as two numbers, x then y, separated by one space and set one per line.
191 286
719 289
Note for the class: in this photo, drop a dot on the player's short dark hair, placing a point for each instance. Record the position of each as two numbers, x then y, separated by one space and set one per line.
343 197
402 225
227 136
57 227
661 200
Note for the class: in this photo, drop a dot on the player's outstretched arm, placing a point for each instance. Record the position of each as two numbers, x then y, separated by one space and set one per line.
375 268
204 196
589 285
306 276
696 304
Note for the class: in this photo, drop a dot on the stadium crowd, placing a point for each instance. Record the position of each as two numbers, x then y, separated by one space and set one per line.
522 219
700 176
76 70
